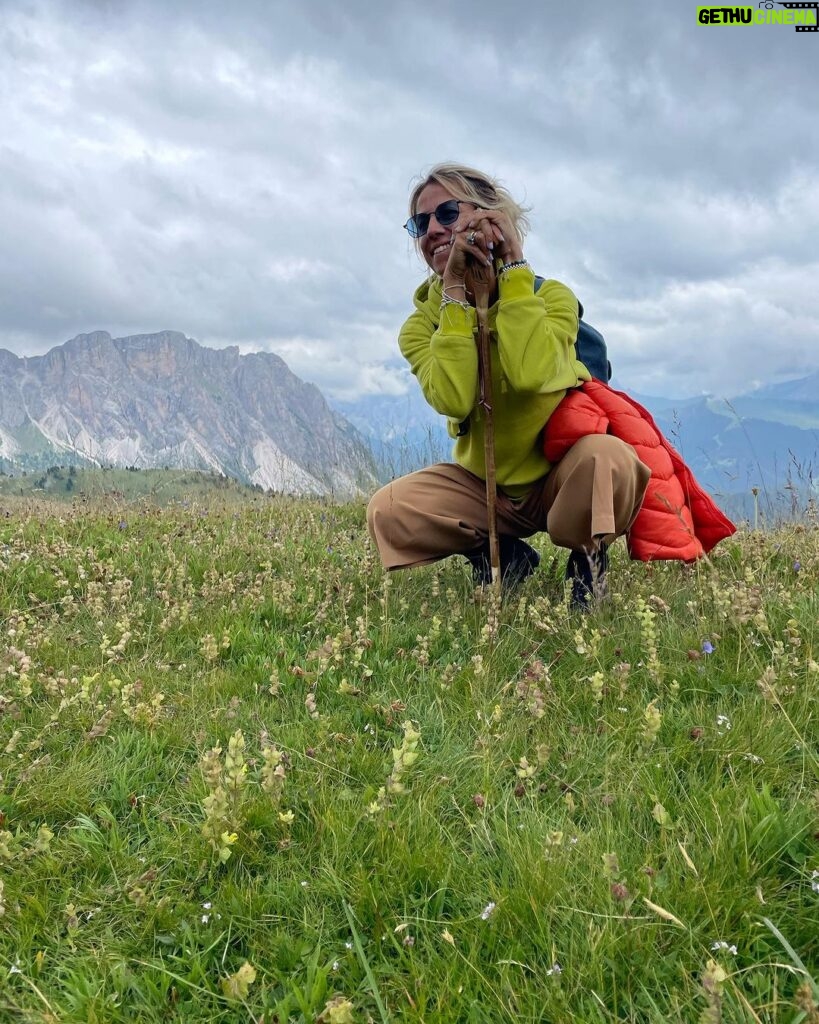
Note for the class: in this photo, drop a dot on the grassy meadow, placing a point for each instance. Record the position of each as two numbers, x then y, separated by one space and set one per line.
248 776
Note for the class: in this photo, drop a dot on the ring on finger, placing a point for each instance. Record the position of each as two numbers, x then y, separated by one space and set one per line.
470 238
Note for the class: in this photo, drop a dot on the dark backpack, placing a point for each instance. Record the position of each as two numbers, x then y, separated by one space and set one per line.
590 345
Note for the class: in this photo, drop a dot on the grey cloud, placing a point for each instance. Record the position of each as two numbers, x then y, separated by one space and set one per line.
241 174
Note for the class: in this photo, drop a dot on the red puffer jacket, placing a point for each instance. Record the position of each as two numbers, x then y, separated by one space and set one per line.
677 519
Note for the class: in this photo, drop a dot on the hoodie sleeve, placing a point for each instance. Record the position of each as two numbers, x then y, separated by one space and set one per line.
443 357
537 332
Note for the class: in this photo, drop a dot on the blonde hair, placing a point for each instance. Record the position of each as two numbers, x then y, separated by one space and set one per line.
473 186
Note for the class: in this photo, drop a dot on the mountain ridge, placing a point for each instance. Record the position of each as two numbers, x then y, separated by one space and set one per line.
150 400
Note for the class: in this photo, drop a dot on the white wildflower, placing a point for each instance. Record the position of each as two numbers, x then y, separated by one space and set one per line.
720 946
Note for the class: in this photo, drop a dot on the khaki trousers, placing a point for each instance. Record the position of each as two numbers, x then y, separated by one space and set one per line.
593 493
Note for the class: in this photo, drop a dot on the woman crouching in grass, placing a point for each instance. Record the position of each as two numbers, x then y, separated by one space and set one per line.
587 499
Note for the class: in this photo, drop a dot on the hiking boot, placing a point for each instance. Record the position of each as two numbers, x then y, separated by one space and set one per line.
586 570
518 560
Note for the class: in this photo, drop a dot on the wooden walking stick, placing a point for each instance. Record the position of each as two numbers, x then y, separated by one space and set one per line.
480 279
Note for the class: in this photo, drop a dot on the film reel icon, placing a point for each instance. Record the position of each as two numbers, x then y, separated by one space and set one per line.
814 6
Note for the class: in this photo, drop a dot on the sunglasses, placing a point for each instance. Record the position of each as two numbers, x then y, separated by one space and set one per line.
445 213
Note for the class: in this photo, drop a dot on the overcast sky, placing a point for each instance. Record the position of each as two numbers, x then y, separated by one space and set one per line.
239 172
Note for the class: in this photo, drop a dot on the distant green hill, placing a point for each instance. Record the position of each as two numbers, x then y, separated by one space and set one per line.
163 486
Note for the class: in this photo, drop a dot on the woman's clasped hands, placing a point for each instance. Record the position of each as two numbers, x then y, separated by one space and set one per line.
483 235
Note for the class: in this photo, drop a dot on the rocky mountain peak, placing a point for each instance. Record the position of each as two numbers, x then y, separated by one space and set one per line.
163 399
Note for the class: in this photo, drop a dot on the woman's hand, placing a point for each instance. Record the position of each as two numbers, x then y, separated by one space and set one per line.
494 233
481 235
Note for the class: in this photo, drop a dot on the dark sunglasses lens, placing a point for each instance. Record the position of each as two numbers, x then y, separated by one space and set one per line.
447 213
418 225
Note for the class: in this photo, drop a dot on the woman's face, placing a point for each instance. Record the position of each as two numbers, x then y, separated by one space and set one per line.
434 244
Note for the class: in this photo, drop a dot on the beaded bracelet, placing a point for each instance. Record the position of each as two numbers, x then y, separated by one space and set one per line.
513 265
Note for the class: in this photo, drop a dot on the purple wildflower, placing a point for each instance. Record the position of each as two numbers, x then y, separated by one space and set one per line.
708 647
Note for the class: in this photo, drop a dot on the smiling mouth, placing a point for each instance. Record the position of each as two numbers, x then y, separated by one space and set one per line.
441 248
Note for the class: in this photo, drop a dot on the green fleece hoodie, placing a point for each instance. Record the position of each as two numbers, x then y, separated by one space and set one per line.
533 363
